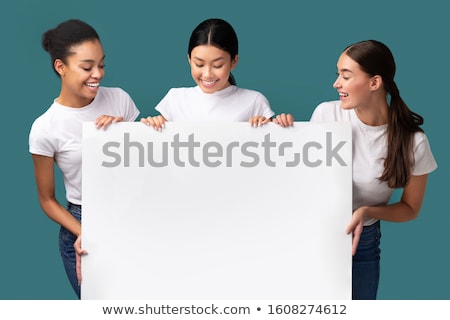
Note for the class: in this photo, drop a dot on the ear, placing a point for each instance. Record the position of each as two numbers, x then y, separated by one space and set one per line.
376 82
234 62
60 67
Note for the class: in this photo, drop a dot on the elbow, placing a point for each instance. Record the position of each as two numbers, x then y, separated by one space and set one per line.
412 212
46 203
414 215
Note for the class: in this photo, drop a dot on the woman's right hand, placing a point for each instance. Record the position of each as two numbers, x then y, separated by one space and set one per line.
284 120
157 122
78 253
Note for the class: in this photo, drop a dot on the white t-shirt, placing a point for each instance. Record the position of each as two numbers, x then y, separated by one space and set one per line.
58 133
229 104
369 150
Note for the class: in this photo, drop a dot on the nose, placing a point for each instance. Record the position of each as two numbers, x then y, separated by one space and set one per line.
207 72
336 83
98 73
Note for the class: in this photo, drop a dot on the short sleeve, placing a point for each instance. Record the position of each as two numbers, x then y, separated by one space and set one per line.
131 111
424 161
40 141
263 106
163 107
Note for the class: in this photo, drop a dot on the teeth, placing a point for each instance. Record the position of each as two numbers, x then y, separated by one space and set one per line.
343 94
208 83
93 85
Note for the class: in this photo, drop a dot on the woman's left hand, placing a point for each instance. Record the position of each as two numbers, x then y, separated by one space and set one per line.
284 120
258 121
104 121
356 227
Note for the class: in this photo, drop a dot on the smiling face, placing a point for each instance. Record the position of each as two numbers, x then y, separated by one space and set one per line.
353 84
211 67
81 74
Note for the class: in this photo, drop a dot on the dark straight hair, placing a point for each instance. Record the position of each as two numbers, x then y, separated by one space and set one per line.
375 58
218 33
59 40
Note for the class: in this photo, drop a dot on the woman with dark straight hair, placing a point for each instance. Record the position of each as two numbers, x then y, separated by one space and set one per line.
212 55
219 33
390 151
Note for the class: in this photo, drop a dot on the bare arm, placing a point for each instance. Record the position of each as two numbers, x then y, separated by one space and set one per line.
45 181
406 209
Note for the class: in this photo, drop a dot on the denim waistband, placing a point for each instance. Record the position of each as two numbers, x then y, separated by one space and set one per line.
376 224
70 204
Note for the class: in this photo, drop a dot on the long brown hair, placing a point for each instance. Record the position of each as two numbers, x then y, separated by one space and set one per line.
375 58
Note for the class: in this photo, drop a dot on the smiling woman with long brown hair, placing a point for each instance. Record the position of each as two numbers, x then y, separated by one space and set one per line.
390 151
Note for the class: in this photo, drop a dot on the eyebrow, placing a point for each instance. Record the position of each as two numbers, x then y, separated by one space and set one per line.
92 61
345 70
217 59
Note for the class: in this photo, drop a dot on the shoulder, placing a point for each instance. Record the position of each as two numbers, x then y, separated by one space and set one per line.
248 95
328 110
255 101
113 96
249 92
45 119
423 156
113 100
421 140
182 90
176 99
112 92
40 124
40 138
327 105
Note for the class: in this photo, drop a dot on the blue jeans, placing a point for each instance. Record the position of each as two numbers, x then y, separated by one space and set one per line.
67 251
366 264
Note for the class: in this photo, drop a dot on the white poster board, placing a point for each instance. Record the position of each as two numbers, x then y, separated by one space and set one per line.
217 211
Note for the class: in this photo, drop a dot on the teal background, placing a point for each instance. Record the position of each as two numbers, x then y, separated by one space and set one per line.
288 51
